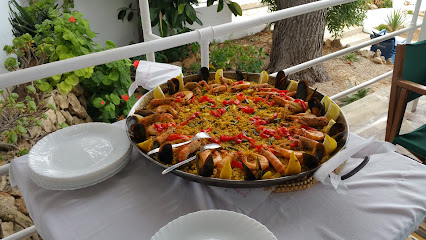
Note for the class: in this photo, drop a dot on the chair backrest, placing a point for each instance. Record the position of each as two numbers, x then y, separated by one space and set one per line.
414 68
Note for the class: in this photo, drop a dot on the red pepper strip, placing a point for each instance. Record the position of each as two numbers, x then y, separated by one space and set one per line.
308 128
238 117
260 147
228 102
190 118
215 140
163 126
206 99
283 131
173 137
295 143
275 115
237 164
240 82
271 133
224 138
241 96
218 112
303 103
257 99
192 100
247 109
264 135
207 130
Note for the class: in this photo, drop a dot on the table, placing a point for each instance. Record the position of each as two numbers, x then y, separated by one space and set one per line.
386 200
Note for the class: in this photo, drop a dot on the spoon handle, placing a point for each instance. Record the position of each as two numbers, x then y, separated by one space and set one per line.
173 146
178 165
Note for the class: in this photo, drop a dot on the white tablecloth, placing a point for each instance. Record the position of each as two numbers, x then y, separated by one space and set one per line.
386 200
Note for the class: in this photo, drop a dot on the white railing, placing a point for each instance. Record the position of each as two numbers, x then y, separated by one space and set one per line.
203 37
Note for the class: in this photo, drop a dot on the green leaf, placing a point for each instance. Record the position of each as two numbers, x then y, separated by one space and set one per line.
12 137
44 115
31 89
130 16
235 8
220 6
19 106
44 86
62 125
110 108
210 2
61 49
51 107
130 5
114 98
64 87
190 12
107 81
72 79
84 50
57 78
14 96
109 44
37 122
181 8
32 105
114 75
20 129
121 14
23 152
97 102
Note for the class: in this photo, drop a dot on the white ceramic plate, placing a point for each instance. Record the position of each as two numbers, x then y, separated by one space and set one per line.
214 225
79 156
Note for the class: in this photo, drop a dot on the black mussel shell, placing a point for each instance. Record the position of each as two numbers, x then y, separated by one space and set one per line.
144 112
319 151
341 138
205 168
316 107
281 80
310 161
336 129
138 132
255 174
165 153
173 86
302 89
240 75
203 74
130 121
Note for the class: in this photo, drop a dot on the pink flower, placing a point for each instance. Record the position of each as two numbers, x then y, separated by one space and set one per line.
71 19
102 102
125 97
136 63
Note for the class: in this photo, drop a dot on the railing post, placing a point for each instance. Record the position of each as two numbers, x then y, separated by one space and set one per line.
146 26
414 21
205 35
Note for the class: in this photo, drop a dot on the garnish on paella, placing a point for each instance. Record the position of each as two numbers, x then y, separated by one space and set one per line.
264 131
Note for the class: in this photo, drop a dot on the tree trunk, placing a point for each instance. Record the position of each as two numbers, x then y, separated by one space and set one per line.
297 40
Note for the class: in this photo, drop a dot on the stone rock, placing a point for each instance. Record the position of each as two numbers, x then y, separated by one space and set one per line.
372 6
35 130
75 106
77 120
20 205
366 53
78 90
7 207
389 61
178 63
336 43
47 125
6 229
23 220
3 183
83 101
68 117
406 3
383 59
51 116
189 61
88 119
51 100
377 60
61 100
327 43
60 118
378 53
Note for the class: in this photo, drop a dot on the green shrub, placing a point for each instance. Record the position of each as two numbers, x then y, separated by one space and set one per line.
354 97
351 57
382 26
386 4
410 12
395 20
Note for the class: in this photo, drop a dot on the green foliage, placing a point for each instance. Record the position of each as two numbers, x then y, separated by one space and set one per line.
23 152
395 20
351 57
385 4
192 69
338 17
410 12
354 97
382 26
230 55
62 125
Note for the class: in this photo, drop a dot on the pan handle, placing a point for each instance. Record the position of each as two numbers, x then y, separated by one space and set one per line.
355 170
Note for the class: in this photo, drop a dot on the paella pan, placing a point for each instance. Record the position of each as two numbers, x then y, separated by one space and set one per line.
271 130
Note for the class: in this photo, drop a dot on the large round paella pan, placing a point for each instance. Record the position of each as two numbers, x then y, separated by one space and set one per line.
271 130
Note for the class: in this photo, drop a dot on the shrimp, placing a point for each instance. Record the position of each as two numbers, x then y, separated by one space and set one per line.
286 152
216 158
167 108
161 101
221 164
275 162
153 118
205 84
221 88
225 80
309 119
249 159
188 149
240 87
163 136
292 106
191 86
166 117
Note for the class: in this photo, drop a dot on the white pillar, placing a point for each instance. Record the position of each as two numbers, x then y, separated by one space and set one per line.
146 26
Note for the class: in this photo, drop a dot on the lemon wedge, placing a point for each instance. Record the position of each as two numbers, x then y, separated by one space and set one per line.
276 175
263 77
293 166
333 111
267 175
181 83
292 86
146 146
329 144
326 102
329 125
158 93
218 75
226 172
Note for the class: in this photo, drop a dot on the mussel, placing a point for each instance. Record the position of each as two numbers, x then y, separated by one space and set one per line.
173 86
144 112
310 161
336 129
281 80
302 89
131 120
240 75
316 107
253 174
205 164
138 132
165 153
203 74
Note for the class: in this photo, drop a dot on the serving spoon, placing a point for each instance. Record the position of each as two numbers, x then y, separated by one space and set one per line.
196 136
205 147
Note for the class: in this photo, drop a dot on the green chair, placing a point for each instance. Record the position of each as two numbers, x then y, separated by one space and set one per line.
408 83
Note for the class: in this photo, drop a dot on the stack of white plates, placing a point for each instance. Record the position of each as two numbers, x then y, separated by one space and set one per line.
79 156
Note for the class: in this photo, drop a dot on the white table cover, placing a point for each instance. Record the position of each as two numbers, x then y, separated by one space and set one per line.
386 200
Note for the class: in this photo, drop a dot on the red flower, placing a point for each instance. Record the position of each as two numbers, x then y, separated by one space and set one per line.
71 19
125 97
136 63
139 97
102 102
120 117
